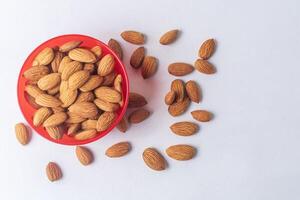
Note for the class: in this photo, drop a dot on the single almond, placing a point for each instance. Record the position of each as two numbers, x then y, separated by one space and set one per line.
78 79
97 50
41 115
178 87
179 108
85 97
84 155
207 49
137 57
56 61
22 133
44 57
181 152
71 68
180 69
68 46
136 100
201 115
89 67
73 129
68 97
133 37
118 83
108 94
74 118
64 62
118 150
53 172
47 100
84 109
149 66
184 128
33 90
170 97
36 72
82 55
106 106
89 124
94 82
204 66
122 125
109 79
138 116
116 47
105 121
86 134
55 119
49 81
193 91
106 65
154 159
55 132
168 37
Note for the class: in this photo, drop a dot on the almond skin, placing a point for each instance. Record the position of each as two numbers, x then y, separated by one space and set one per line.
180 69
86 134
56 61
106 65
36 72
207 49
84 109
70 69
137 57
49 81
106 106
181 152
149 67
138 116
41 115
178 87
55 132
116 47
184 128
201 115
46 100
136 100
105 121
84 155
108 94
22 133
133 37
154 159
68 46
82 55
122 126
204 66
78 79
118 150
53 172
193 91
33 90
44 57
168 37
179 108
55 119
94 82
170 97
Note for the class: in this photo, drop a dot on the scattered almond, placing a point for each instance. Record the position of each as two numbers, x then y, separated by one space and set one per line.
154 159
178 108
170 97
201 115
149 66
207 49
84 155
136 100
184 128
53 172
138 116
181 152
168 37
193 91
204 66
122 126
180 69
133 37
22 133
178 87
137 57
118 150
116 47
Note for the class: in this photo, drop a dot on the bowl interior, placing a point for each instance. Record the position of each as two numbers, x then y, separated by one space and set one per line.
27 109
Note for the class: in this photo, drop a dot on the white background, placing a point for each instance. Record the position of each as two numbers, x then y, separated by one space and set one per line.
250 150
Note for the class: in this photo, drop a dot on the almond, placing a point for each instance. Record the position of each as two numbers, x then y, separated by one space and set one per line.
94 82
22 133
85 97
68 97
109 79
78 79
138 116
36 72
49 81
86 134
73 129
178 108
71 68
170 98
69 46
204 67
89 124
136 100
193 91
56 61
106 65
184 128
154 159
54 90
118 150
105 121
149 66
74 118
118 83
82 55
55 119
89 67
207 49
84 109
84 155
57 109
108 94
168 37
33 90
181 152
106 106
133 37
137 57
55 132
53 172
201 115
47 100
41 115
178 87
31 101
122 126
44 57
97 51
64 62
116 47
180 69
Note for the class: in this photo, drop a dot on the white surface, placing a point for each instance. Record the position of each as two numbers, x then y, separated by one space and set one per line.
249 151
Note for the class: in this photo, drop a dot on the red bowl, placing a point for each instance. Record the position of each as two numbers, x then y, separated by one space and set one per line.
89 42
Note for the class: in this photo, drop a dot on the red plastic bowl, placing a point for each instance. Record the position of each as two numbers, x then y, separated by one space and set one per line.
28 110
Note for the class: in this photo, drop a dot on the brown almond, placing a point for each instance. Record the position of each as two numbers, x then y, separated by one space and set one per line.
94 82
64 62
97 50
168 37
170 98
207 49
122 125
105 121
84 109
154 159
55 132
31 101
181 152
56 61
85 97
184 128
201 115
82 55
55 119
36 72
41 115
53 172
68 46
86 134
179 108
116 47
73 129
33 90
71 68
84 155
149 66
108 94
89 124
74 118
49 81
193 91
106 106
47 100
138 116
180 69
118 150
22 133
106 65
136 100
137 57
44 57
89 67
178 87
109 79
204 66
133 37
78 79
